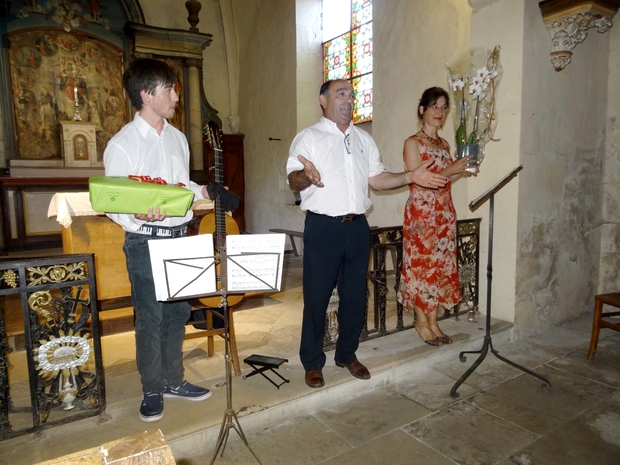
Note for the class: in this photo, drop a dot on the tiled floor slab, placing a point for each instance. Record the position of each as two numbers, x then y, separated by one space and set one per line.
527 402
603 367
301 441
566 338
394 448
614 398
355 422
470 436
431 389
492 371
591 438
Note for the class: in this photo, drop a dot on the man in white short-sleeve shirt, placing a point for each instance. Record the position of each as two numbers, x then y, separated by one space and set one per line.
331 164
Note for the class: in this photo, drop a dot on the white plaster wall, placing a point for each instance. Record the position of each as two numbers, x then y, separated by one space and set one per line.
267 106
413 40
501 23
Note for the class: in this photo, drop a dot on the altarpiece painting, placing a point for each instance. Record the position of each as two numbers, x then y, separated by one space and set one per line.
52 69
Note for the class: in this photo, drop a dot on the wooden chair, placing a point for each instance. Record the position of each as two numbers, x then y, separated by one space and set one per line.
608 299
211 330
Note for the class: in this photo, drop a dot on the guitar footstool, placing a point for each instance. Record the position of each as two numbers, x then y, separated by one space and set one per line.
262 363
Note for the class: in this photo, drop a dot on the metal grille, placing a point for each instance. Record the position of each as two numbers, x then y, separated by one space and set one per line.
58 300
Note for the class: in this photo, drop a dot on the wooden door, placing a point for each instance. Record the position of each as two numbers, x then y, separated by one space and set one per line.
234 171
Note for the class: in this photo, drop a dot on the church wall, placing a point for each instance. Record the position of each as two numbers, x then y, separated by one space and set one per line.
501 23
216 79
216 84
403 30
552 240
609 229
267 106
413 41
560 191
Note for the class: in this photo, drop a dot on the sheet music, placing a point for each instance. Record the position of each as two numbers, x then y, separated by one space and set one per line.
183 267
255 261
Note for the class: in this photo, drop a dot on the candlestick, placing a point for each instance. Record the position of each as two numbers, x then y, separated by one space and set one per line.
75 93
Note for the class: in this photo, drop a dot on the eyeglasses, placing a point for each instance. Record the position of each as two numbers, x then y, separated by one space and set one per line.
437 108
347 143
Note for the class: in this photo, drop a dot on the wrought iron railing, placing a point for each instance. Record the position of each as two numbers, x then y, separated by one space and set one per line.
58 300
384 315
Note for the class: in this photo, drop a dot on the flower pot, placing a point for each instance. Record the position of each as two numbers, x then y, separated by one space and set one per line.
470 150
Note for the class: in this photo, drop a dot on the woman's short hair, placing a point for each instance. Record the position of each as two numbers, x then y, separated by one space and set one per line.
145 74
430 97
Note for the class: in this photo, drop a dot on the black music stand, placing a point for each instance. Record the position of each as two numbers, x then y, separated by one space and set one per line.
230 420
488 343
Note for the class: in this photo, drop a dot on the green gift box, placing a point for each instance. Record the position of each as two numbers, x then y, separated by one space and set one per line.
119 194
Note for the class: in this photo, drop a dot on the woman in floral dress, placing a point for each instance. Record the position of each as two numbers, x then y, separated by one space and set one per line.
429 277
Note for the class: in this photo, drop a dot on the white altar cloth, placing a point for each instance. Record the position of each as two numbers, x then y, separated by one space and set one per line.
64 205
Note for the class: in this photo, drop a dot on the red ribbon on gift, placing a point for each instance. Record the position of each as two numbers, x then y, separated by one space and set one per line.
152 180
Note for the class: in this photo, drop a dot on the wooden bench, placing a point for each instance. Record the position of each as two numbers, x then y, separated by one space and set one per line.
291 235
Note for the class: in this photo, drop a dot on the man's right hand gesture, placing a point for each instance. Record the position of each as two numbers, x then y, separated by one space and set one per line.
309 175
425 178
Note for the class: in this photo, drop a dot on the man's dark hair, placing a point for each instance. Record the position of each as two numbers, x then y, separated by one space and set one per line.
145 74
325 88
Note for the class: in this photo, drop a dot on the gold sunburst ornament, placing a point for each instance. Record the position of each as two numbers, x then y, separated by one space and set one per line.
63 358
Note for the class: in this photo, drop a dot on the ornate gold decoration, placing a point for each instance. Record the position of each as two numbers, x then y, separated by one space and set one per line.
38 301
568 21
10 278
62 359
467 228
56 273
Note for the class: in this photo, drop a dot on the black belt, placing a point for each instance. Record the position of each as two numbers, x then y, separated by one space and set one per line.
342 218
163 231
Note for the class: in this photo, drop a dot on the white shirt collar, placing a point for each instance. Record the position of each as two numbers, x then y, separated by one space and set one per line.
143 127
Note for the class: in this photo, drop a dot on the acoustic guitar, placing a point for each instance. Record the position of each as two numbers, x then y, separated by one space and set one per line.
218 222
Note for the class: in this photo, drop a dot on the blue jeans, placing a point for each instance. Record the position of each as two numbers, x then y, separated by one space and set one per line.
160 326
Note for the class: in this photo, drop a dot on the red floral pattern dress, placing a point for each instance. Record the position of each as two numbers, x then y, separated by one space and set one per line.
429 275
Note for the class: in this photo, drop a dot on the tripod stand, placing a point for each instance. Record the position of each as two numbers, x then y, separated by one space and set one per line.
230 420
488 343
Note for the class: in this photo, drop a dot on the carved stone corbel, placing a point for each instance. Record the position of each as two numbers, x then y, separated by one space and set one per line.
568 22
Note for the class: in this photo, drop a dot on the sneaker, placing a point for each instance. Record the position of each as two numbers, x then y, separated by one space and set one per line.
152 408
187 391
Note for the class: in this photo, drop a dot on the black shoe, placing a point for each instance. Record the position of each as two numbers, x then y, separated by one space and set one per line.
152 408
187 391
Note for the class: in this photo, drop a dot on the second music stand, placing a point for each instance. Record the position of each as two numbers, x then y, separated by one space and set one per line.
488 343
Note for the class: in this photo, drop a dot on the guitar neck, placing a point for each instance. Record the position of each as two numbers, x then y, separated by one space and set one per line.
220 214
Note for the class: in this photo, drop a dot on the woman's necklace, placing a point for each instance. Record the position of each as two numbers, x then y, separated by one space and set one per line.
432 140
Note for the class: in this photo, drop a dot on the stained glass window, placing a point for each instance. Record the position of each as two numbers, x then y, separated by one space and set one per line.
349 54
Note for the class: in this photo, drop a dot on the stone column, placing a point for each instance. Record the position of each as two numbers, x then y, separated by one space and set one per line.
195 123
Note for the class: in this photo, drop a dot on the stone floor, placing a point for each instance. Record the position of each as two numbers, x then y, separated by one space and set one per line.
402 415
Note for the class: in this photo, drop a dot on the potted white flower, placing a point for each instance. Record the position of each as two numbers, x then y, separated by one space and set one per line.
473 79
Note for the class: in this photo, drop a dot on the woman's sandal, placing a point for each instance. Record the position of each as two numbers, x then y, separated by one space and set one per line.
431 342
443 338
